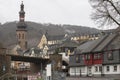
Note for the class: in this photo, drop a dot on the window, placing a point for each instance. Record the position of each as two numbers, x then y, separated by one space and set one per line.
100 68
19 36
22 36
77 70
97 56
82 57
82 69
72 70
115 68
110 55
66 50
87 56
107 68
19 42
77 58
96 69
26 44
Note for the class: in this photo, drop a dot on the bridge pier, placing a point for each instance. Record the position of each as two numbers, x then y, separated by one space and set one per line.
37 67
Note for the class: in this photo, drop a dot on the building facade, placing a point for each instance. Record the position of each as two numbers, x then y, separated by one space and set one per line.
85 37
99 57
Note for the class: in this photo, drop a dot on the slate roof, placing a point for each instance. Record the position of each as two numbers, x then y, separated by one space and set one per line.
99 44
53 47
54 37
1 45
29 51
69 43
33 42
105 42
94 44
20 51
37 51
21 25
82 48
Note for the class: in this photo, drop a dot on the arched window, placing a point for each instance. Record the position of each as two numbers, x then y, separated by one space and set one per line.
22 36
19 36
25 44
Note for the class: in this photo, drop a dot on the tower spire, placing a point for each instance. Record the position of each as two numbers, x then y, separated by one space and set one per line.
21 13
22 6
22 29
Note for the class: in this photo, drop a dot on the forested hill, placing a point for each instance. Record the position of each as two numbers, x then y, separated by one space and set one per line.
35 30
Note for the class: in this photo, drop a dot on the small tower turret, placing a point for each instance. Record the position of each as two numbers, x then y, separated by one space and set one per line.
22 13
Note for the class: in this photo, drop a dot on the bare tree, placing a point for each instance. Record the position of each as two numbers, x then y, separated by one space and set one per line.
106 12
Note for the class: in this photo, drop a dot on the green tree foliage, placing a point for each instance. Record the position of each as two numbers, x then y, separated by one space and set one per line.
40 79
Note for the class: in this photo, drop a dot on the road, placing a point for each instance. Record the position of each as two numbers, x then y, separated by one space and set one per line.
87 78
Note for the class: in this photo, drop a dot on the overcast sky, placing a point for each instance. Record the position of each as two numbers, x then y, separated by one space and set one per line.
75 12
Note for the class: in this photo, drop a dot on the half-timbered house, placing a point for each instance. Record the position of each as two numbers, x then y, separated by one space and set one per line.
98 57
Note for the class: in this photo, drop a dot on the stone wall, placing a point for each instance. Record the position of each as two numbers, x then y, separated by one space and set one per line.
4 62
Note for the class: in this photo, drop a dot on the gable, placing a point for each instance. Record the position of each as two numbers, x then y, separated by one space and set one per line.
14 50
115 44
43 41
106 42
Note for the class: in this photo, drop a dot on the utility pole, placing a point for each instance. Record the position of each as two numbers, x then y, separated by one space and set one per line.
41 68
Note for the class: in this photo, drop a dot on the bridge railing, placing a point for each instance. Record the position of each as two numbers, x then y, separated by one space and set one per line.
9 51
12 52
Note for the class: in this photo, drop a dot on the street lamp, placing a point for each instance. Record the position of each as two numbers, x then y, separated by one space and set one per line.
4 68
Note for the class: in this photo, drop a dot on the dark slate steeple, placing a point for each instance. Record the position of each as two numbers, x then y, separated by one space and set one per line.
22 13
21 23
22 29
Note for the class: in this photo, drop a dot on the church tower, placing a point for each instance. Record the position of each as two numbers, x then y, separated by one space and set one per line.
22 29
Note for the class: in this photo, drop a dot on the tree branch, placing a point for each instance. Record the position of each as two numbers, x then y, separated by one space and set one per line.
113 6
113 19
